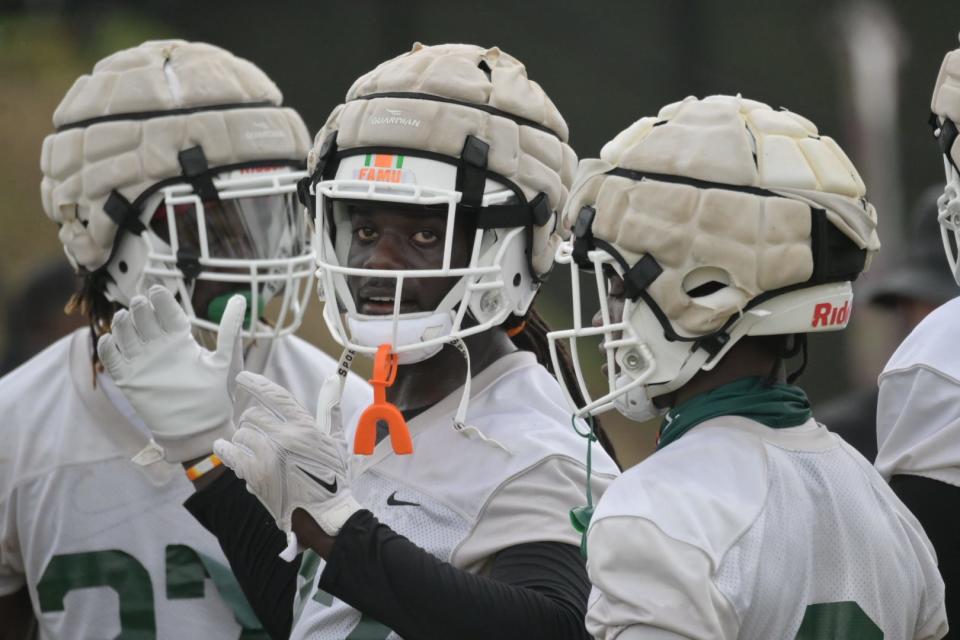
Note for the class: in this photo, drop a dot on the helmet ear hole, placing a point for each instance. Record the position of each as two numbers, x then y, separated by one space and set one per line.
703 281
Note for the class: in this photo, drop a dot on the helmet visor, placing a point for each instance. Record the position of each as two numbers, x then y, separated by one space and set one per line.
255 228
251 240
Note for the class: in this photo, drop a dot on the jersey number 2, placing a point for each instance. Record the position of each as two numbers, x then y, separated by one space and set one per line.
185 573
837 621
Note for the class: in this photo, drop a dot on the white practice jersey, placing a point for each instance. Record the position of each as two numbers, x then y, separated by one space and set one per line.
737 530
509 478
918 413
105 546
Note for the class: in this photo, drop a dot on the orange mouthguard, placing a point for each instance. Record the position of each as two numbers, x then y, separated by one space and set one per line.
384 374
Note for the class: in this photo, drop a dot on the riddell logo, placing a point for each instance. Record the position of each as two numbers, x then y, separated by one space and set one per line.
827 315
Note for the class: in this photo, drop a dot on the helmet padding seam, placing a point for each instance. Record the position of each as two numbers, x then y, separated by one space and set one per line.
149 115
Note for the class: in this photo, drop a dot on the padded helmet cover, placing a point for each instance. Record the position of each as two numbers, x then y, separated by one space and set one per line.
122 126
431 98
716 224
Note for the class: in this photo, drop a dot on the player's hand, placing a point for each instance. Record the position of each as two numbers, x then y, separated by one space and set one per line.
183 392
290 460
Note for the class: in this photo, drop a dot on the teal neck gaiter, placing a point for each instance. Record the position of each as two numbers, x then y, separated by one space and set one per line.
775 405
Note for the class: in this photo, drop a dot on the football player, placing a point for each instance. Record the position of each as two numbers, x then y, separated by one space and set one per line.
173 166
720 233
435 188
918 411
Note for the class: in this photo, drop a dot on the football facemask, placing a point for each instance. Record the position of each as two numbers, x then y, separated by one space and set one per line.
482 274
252 239
948 204
944 116
644 356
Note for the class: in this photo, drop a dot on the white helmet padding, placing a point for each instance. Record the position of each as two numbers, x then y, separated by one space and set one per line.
945 120
711 212
474 110
151 119
434 99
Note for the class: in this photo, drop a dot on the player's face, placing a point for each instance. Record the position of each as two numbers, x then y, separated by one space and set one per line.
386 236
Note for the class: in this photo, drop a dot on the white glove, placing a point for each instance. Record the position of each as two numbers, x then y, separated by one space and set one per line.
291 460
183 392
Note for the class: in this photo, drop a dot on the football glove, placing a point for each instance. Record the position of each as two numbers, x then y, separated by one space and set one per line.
289 459
182 392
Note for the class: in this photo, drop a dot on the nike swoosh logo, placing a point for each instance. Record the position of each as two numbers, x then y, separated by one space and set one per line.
393 502
329 486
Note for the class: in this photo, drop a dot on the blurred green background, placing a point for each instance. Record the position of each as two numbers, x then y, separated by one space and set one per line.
863 71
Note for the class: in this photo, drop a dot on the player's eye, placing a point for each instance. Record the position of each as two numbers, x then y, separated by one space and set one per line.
365 234
425 238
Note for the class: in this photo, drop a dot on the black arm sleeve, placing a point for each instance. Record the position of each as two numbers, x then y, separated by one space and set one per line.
251 541
535 590
933 503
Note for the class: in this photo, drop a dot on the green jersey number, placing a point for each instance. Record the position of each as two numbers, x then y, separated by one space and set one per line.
837 621
115 569
186 571
367 628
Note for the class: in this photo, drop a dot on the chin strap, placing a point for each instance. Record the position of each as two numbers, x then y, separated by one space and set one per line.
460 419
384 375
580 516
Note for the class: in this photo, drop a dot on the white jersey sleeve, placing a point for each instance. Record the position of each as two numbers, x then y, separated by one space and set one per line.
699 540
644 579
918 412
542 496
659 534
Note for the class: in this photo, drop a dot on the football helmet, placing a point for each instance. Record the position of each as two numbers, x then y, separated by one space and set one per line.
719 218
457 131
174 163
945 118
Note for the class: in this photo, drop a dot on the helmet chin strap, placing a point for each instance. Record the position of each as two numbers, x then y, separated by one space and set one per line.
635 404
460 418
393 330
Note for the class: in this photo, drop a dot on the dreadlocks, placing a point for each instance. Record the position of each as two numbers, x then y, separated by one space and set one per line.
91 302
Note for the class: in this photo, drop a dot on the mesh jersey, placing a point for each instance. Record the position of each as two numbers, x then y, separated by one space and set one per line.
740 531
465 495
104 545
918 432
